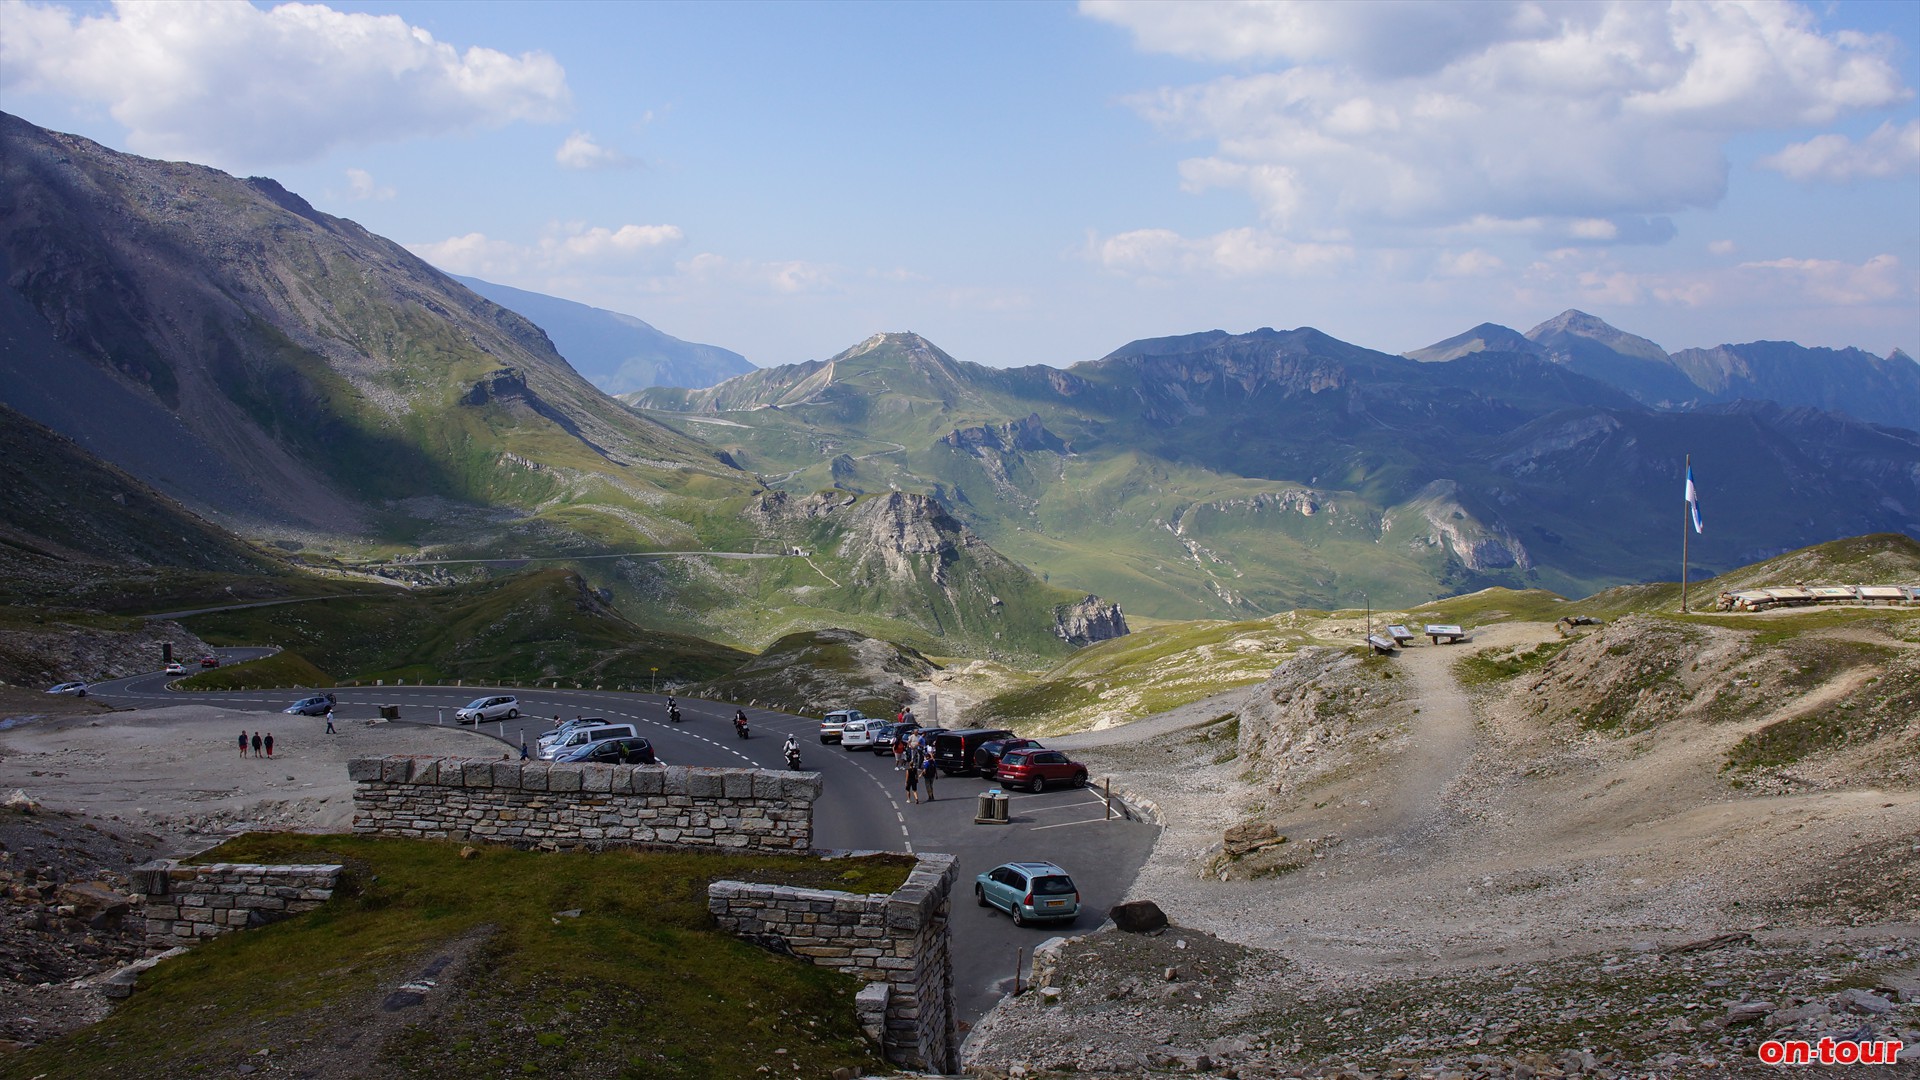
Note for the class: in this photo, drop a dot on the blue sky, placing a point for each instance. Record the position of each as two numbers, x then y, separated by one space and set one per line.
1041 183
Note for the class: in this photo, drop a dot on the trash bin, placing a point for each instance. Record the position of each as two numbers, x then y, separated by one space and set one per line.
389 712
992 809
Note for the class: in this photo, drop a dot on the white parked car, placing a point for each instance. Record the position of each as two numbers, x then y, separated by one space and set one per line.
833 722
567 727
481 710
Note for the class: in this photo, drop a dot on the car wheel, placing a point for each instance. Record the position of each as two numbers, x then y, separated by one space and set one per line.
1080 780
1018 919
979 895
1039 784
823 740
513 714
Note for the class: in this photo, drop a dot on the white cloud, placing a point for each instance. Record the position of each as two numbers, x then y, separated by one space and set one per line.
580 151
1477 262
564 248
1876 281
361 186
234 85
1590 278
1244 252
1588 119
1891 150
788 277
1722 247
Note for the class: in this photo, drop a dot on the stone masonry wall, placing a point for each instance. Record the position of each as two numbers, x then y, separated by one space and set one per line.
188 904
553 805
900 943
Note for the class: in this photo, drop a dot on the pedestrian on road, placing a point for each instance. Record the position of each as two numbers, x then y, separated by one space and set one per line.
330 730
269 744
926 767
899 751
523 746
256 744
913 783
243 742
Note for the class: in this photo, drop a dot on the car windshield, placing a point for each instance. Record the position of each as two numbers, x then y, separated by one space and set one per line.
1052 885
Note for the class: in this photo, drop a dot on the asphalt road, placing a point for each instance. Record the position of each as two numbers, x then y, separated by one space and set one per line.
862 806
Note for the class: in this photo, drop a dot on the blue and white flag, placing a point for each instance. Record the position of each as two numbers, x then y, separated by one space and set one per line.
1693 500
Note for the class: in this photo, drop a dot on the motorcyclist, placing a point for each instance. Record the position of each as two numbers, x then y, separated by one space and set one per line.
740 722
792 751
673 711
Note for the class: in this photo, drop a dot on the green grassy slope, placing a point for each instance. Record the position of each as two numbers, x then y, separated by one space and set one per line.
638 984
538 625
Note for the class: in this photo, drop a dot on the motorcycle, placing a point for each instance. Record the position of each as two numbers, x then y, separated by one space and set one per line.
793 759
673 713
740 728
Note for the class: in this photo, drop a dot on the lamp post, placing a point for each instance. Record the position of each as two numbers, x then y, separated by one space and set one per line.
655 684
1369 603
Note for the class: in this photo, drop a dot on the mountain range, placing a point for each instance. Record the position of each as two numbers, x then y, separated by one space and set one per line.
617 353
1881 390
1216 474
293 379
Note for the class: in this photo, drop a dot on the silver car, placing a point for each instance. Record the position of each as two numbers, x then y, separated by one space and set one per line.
481 710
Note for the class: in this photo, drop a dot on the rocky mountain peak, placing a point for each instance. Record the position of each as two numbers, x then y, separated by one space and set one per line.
1574 324
1088 621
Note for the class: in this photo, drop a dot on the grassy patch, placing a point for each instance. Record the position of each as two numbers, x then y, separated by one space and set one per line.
1486 666
538 625
281 669
639 984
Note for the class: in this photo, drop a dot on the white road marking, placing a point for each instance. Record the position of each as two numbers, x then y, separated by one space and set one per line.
1064 824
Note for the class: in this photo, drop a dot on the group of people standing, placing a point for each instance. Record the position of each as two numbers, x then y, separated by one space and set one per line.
256 744
913 753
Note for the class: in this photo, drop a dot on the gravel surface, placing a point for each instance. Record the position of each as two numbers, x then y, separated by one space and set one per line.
1423 881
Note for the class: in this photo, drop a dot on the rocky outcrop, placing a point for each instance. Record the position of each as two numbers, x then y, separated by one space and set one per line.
1027 434
1088 621
52 652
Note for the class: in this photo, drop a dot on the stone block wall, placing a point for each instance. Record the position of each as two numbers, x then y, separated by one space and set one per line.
188 904
561 806
900 941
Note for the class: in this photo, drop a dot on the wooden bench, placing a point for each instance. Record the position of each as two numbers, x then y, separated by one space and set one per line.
1451 633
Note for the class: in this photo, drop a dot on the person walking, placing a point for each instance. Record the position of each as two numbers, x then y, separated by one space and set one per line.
927 770
269 744
330 730
913 782
243 743
523 746
256 744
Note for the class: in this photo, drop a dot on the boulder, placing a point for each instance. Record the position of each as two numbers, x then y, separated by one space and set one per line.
1138 917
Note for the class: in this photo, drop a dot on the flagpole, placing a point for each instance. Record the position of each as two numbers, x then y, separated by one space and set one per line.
1686 515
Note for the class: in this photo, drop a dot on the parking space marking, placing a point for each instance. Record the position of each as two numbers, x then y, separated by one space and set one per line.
1064 824
1062 806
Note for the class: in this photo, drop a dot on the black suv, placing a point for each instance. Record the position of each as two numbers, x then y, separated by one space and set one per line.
953 750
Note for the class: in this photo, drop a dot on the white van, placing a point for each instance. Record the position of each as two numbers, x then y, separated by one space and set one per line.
579 737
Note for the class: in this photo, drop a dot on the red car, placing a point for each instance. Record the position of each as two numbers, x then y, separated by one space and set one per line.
209 661
1037 769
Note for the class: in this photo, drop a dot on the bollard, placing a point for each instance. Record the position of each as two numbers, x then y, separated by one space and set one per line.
1108 786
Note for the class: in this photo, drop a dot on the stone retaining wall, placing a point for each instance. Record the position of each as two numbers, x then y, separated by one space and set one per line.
558 806
899 943
188 904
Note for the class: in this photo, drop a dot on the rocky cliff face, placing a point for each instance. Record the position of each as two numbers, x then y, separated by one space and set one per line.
1088 621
